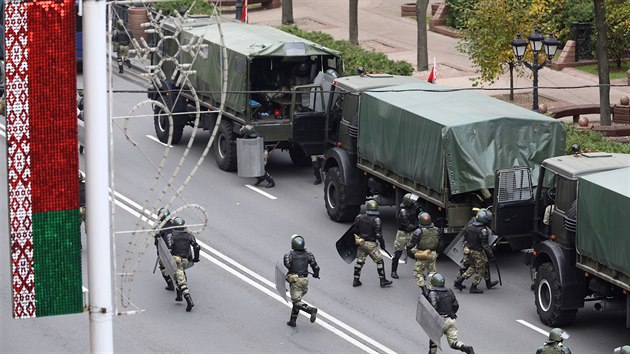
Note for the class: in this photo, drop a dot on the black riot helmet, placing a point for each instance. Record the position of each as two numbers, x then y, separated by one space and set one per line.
297 242
424 219
484 216
437 280
178 222
163 213
371 205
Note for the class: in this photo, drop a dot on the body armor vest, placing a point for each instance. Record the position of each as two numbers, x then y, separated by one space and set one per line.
366 226
299 263
406 219
472 235
430 239
181 244
445 300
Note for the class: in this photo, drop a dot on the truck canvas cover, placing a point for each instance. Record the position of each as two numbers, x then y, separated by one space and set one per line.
244 43
422 131
603 221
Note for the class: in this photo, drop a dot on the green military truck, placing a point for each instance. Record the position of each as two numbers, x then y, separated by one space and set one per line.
270 76
390 135
584 253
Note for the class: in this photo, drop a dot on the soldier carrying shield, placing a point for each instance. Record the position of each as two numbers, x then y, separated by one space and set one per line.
179 241
297 262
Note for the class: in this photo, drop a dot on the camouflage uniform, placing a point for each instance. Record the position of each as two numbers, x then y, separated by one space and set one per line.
179 241
444 301
368 229
407 223
552 347
425 239
297 262
121 41
476 240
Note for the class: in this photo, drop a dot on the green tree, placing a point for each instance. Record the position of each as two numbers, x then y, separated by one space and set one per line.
487 34
618 29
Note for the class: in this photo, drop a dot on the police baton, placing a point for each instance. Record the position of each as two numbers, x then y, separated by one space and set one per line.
156 263
496 265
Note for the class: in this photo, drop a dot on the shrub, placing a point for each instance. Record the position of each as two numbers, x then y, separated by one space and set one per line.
200 8
593 141
353 55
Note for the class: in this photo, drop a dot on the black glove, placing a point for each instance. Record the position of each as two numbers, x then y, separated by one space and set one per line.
489 253
316 274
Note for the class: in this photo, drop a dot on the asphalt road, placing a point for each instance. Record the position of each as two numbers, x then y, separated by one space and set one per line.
249 229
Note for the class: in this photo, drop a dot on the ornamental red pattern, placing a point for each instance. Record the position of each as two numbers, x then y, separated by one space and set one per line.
18 159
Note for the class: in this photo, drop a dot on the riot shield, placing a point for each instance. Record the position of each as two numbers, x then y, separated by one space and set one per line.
280 281
249 157
167 259
347 247
430 321
455 250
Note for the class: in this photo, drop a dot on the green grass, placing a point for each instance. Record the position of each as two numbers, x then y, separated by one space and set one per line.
593 141
614 73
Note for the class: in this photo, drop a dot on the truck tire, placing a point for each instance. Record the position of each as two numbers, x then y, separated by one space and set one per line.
548 298
161 124
225 147
298 156
335 196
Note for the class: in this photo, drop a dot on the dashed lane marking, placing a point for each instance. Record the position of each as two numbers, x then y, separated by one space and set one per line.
258 190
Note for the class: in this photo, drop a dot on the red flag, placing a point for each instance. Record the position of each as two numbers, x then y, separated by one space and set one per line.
433 74
244 12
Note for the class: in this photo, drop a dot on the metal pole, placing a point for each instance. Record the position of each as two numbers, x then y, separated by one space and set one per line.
535 70
97 181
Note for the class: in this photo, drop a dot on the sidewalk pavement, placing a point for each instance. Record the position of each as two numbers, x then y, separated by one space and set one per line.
382 28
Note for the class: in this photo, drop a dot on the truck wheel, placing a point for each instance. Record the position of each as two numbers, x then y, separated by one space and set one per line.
548 298
299 157
335 197
161 123
225 147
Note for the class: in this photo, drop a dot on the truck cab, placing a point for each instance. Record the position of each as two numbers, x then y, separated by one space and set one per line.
564 279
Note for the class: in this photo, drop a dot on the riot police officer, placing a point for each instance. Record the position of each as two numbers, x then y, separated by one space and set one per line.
121 41
297 262
425 240
248 132
554 345
407 223
444 301
476 238
367 230
179 241
166 228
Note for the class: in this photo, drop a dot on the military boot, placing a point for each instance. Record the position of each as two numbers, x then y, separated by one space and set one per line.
169 283
270 182
259 180
397 255
294 314
467 349
381 274
458 283
318 175
474 290
121 70
178 297
189 302
128 62
311 311
357 274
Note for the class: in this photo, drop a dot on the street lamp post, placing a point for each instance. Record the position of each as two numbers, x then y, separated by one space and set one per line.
536 42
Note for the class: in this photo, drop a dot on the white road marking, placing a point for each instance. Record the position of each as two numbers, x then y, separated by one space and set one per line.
272 294
231 269
527 324
157 140
258 190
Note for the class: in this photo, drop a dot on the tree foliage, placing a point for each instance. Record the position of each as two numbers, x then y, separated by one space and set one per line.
353 55
200 7
487 34
618 29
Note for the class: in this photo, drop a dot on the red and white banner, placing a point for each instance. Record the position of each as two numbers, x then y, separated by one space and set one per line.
433 74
